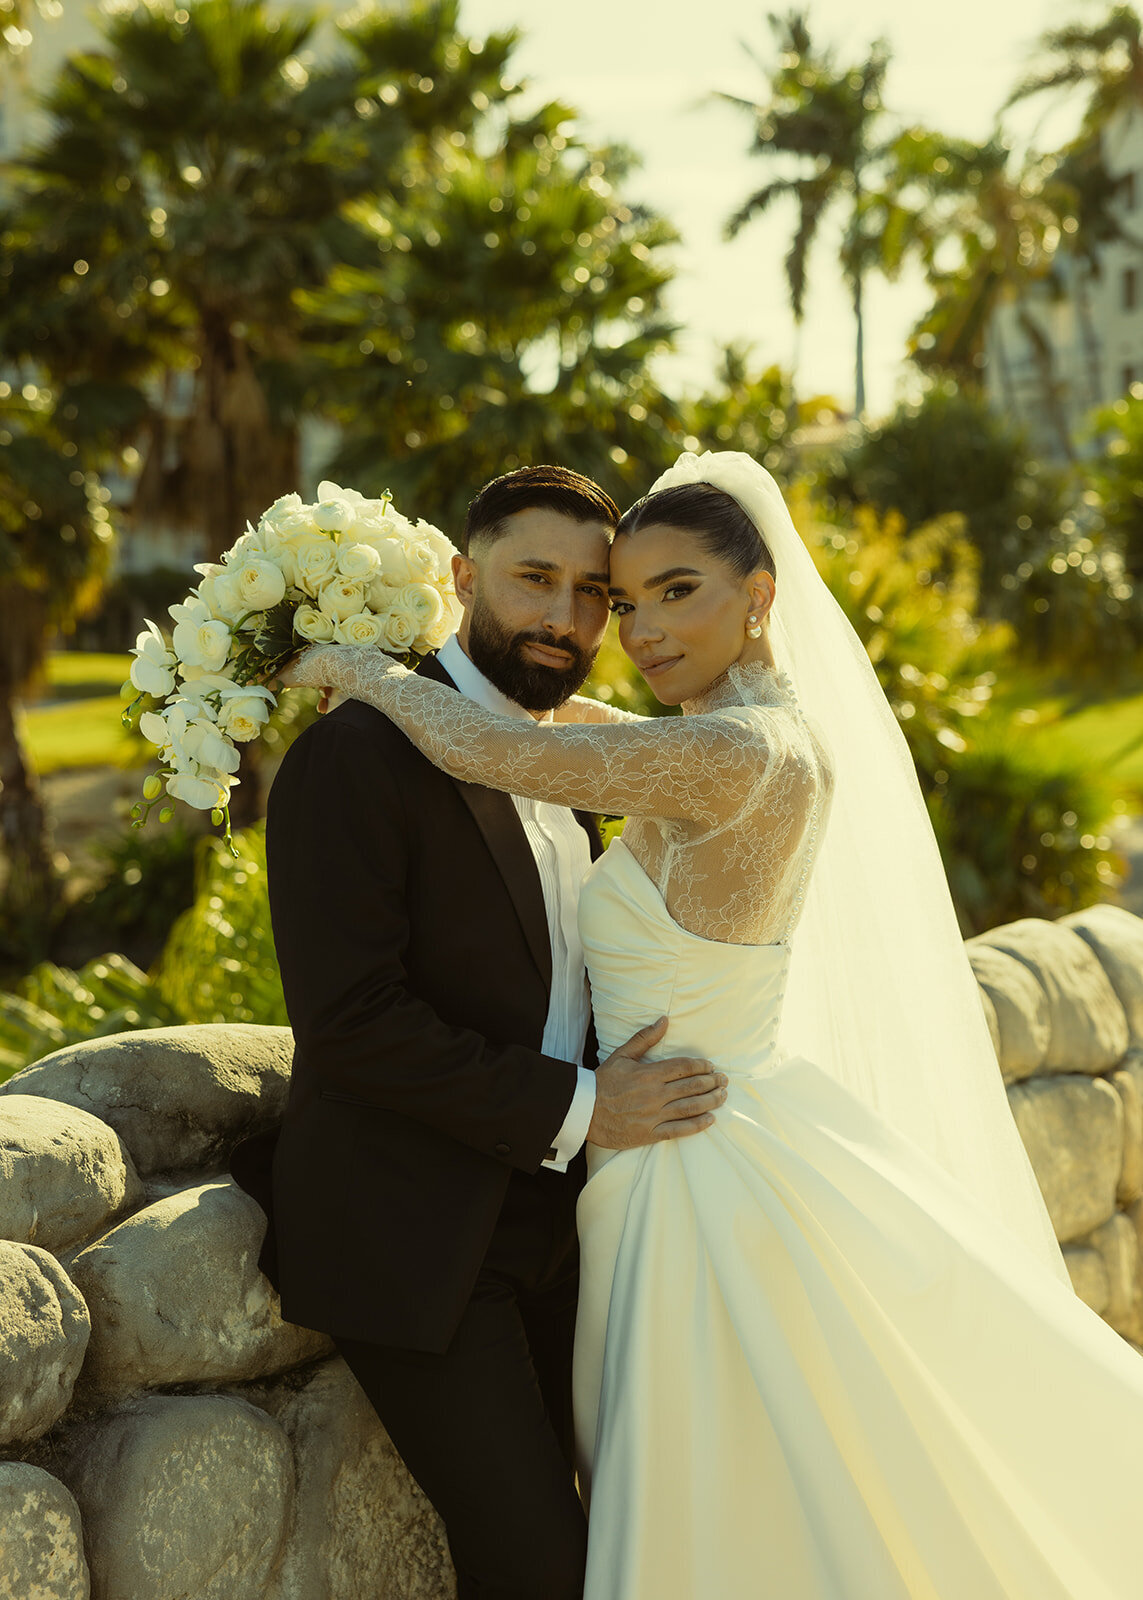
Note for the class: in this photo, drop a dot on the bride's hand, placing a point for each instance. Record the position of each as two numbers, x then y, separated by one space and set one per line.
303 671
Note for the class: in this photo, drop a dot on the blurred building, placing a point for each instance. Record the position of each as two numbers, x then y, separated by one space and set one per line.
1076 342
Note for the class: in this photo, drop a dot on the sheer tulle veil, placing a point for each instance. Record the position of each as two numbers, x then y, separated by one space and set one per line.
881 994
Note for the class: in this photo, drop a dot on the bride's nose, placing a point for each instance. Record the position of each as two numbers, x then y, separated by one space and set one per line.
642 628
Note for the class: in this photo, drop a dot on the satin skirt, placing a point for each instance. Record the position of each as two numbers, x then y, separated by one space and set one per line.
809 1366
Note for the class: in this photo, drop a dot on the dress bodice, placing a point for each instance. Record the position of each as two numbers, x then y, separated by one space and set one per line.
723 1000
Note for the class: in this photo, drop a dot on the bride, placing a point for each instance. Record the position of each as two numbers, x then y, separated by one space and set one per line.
827 1349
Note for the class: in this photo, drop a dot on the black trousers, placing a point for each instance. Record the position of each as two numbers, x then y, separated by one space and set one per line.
486 1428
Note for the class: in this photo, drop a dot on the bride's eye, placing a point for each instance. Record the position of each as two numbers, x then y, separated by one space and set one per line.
621 607
677 591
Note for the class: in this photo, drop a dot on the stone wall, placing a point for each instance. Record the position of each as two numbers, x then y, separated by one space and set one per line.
1065 1003
169 1437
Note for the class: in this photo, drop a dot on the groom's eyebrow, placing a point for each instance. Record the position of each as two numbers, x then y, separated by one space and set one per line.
538 564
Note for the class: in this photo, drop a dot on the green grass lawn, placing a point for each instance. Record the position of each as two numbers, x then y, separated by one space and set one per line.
1107 734
74 674
84 731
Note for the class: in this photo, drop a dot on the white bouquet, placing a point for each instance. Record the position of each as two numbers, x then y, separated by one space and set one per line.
345 569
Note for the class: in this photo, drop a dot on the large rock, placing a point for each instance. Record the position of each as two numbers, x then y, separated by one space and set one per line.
63 1173
44 1330
41 1542
1020 1007
184 1497
1072 1128
362 1526
1118 1246
179 1098
176 1297
1128 1084
1088 1272
1117 939
1088 1027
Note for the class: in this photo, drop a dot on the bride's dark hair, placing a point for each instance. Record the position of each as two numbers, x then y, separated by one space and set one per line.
723 528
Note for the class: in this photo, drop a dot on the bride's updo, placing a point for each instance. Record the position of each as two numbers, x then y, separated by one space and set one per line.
723 528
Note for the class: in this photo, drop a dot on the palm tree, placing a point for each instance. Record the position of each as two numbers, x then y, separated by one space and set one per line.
1106 60
511 319
195 178
55 537
826 118
1005 226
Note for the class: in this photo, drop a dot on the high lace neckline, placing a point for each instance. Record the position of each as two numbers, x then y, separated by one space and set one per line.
744 683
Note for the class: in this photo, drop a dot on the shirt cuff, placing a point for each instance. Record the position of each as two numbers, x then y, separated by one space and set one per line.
573 1135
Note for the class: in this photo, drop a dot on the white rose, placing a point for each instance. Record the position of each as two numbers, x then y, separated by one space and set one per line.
424 603
436 636
199 639
333 491
394 568
423 565
362 628
361 562
218 593
334 515
441 546
342 598
243 716
249 544
281 514
259 582
313 625
315 563
152 671
400 629
201 792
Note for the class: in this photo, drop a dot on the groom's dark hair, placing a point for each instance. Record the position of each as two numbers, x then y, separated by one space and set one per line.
557 488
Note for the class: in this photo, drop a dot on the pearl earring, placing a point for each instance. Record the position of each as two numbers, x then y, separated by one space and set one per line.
753 627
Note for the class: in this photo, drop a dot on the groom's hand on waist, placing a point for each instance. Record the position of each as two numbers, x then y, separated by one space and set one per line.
642 1102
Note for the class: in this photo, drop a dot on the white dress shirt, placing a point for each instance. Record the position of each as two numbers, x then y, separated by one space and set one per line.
559 845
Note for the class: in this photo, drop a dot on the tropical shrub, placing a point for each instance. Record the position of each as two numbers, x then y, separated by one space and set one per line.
219 964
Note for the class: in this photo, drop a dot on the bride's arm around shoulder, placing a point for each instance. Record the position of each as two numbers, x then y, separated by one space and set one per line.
581 708
696 769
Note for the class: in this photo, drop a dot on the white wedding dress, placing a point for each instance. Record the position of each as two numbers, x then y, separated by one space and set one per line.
809 1364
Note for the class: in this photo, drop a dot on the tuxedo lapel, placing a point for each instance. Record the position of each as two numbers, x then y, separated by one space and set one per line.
503 833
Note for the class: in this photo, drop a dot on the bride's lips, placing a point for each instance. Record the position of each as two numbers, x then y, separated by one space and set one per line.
546 656
651 669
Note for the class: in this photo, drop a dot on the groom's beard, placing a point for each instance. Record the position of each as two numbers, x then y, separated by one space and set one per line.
499 654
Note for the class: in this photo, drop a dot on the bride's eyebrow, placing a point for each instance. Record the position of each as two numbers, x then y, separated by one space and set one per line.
671 572
660 578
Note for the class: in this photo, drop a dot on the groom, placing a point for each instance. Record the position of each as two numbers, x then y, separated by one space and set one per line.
422 1199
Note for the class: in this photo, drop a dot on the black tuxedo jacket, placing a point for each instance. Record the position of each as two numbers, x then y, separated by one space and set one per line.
413 943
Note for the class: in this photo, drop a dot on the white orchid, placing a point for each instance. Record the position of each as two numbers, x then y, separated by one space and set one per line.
199 639
153 669
203 791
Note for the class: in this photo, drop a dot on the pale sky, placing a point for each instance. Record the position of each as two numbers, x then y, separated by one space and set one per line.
640 71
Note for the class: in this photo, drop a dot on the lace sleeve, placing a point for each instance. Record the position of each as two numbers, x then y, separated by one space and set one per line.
582 709
690 769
